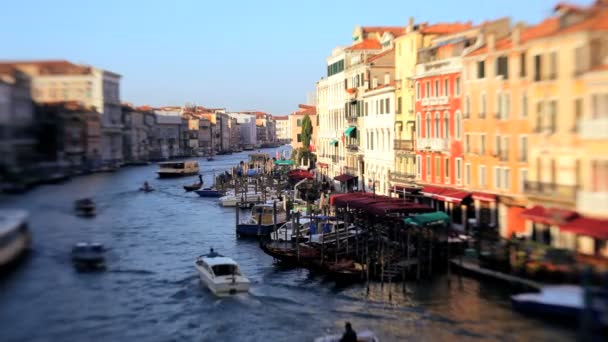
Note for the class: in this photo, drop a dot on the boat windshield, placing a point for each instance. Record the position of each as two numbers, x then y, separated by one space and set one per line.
225 270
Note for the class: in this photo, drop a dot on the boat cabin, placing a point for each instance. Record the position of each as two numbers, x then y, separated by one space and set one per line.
219 266
266 212
183 168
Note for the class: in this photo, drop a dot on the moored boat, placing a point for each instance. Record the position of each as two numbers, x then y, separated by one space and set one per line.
231 200
264 212
178 169
560 301
221 274
88 256
15 237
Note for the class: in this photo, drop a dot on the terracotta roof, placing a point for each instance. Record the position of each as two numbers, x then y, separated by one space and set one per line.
381 54
569 7
597 20
545 28
390 84
52 67
366 44
282 117
445 28
394 30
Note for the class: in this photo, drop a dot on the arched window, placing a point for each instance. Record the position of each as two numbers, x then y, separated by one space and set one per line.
427 128
458 126
446 125
418 127
437 132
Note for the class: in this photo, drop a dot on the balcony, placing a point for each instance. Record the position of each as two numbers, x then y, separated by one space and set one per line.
433 144
352 148
593 129
406 145
551 191
401 177
592 203
435 101
351 119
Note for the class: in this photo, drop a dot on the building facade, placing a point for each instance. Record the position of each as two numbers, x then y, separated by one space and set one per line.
283 129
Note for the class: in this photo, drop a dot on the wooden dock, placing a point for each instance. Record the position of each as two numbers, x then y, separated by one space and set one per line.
481 271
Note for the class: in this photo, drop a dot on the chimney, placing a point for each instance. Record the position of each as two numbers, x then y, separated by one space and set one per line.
491 42
410 25
516 34
374 82
387 78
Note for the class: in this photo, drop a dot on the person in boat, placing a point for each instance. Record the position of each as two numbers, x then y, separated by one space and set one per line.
212 253
349 334
146 185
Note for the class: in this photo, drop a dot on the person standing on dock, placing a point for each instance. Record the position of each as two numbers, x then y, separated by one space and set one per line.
349 334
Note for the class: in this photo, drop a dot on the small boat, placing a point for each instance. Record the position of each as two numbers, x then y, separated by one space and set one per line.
178 169
85 207
346 270
88 256
363 336
254 227
559 301
15 237
221 274
210 158
146 187
194 186
232 200
209 192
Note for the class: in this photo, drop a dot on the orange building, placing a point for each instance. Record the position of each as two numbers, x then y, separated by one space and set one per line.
295 123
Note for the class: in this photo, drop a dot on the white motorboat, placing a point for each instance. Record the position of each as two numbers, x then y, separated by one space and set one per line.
287 233
221 274
231 200
15 236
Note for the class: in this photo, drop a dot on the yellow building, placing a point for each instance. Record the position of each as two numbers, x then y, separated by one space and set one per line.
568 146
406 53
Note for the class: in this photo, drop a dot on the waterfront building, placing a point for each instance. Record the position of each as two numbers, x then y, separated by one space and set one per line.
248 130
167 133
373 145
295 122
59 80
417 36
17 139
283 128
566 178
235 134
438 144
137 126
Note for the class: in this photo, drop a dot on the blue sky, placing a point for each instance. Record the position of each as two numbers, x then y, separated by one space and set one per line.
243 55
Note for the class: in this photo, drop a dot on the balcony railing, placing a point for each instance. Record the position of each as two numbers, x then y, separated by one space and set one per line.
435 101
592 202
402 177
433 144
404 145
594 128
351 119
352 148
556 192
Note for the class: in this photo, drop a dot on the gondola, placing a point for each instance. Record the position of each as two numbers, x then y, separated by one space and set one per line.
194 186
85 207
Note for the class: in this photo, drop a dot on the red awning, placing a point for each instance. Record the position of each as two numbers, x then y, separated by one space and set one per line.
596 228
377 204
299 174
544 215
402 189
343 178
322 165
454 196
431 190
482 196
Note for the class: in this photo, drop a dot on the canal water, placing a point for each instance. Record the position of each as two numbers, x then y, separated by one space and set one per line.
151 292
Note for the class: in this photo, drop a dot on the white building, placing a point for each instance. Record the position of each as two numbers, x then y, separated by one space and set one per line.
283 128
247 125
167 133
330 110
377 136
54 81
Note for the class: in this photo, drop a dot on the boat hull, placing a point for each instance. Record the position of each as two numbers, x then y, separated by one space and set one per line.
223 288
16 248
252 230
175 174
209 193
